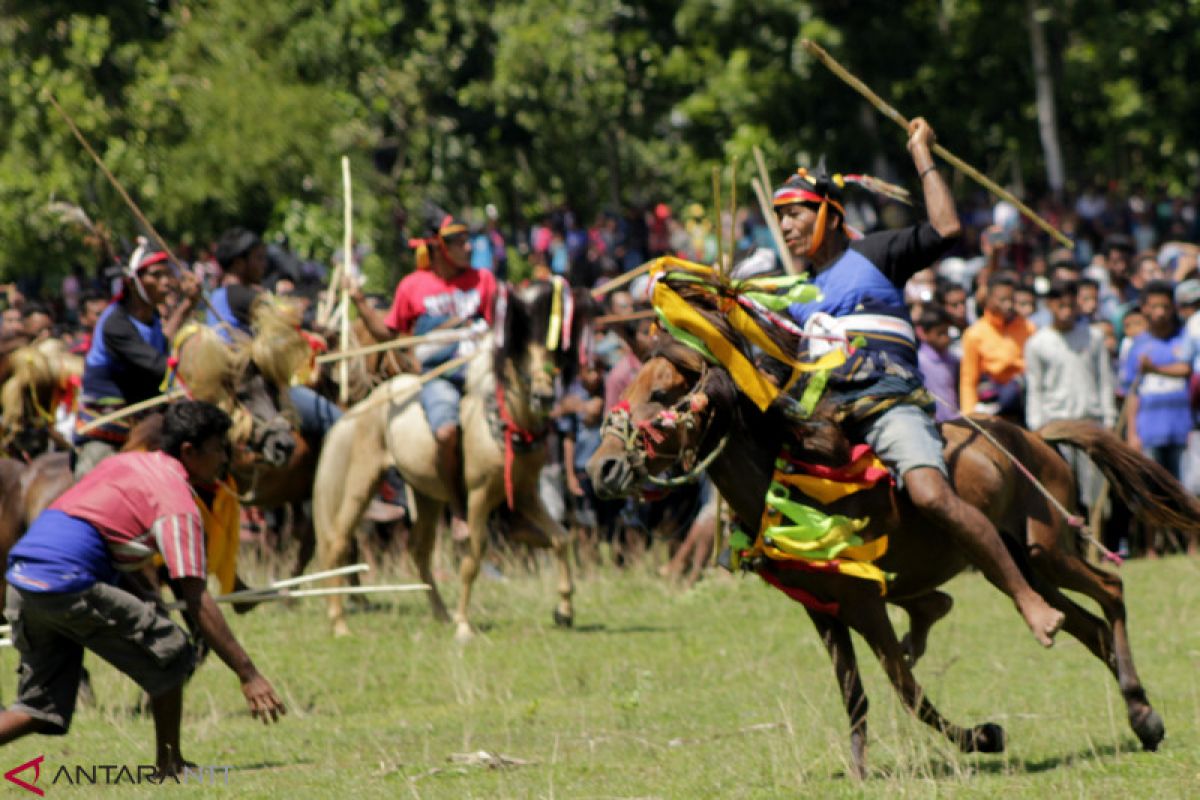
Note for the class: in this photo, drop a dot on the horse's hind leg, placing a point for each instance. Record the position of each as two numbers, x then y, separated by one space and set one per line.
868 615
420 547
923 612
836 638
1109 643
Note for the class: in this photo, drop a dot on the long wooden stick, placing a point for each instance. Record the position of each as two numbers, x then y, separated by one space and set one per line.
387 397
352 569
127 411
348 243
256 594
176 264
718 212
402 342
270 596
608 319
288 594
762 190
621 280
894 115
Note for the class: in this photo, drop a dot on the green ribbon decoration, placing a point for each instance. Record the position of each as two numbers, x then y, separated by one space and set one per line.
685 338
809 526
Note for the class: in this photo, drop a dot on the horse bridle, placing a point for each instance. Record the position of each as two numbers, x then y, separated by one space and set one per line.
639 438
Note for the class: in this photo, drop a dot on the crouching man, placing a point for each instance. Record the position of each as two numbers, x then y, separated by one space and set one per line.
63 592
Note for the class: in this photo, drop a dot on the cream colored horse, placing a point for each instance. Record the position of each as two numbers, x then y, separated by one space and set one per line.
382 432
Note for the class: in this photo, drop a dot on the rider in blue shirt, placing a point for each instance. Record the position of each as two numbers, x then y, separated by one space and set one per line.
879 386
127 359
243 257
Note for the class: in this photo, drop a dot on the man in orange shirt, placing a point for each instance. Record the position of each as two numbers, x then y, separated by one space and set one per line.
992 373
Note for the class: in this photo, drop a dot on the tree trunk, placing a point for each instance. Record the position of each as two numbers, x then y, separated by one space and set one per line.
1044 85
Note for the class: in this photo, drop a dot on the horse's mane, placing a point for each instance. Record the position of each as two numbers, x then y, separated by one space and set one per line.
37 371
212 370
277 349
710 297
819 437
527 320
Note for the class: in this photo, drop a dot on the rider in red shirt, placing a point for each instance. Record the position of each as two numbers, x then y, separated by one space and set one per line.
443 292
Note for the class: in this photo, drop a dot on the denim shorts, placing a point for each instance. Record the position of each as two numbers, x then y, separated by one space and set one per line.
905 438
440 400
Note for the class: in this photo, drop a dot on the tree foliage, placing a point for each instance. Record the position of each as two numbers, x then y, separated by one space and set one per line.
220 112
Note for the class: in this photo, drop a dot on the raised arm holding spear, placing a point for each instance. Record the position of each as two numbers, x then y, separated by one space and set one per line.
895 116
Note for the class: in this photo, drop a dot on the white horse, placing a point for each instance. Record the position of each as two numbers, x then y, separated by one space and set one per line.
500 425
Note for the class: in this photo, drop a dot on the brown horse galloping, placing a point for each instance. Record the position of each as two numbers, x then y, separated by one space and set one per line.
922 558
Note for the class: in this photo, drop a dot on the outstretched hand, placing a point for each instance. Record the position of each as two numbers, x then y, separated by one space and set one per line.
264 703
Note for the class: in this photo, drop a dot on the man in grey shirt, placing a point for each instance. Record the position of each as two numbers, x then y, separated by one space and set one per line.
1068 376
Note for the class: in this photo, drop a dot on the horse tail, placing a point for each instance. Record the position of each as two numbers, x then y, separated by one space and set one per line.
1150 491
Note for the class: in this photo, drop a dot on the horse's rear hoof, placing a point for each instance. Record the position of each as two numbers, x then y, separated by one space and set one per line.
985 738
341 629
562 620
1150 730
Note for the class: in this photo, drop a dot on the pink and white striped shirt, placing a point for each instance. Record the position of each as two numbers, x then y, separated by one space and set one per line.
142 504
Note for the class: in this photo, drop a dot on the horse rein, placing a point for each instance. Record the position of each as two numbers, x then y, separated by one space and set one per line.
639 438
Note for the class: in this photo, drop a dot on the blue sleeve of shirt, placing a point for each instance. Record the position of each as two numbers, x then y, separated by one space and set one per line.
1129 367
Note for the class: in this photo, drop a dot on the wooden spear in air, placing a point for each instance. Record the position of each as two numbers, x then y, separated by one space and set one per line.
962 166
177 265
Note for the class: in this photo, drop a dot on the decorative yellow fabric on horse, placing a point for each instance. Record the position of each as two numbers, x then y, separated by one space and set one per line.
792 531
679 316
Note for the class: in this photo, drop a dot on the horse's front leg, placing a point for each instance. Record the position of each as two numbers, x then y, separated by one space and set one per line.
836 638
867 614
560 542
481 500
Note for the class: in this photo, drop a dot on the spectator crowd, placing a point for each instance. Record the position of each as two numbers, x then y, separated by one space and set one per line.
1010 323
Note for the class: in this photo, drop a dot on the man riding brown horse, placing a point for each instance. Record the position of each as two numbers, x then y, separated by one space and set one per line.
880 388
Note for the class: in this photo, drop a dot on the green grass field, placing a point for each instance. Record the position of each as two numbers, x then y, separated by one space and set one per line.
723 691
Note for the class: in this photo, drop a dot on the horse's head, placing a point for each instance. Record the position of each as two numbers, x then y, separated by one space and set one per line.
244 380
681 409
544 327
673 416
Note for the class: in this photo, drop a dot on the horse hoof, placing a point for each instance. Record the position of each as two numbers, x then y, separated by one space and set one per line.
463 634
341 629
985 738
562 620
1150 730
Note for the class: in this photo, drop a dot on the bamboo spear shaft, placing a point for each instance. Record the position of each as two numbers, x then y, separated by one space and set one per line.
387 397
347 244
254 594
621 280
401 343
127 411
176 264
608 319
962 166
762 190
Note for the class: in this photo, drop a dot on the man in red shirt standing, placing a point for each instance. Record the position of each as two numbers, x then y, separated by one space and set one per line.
63 592
443 292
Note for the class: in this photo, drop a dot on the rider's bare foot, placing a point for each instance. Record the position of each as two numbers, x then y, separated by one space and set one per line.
1043 620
